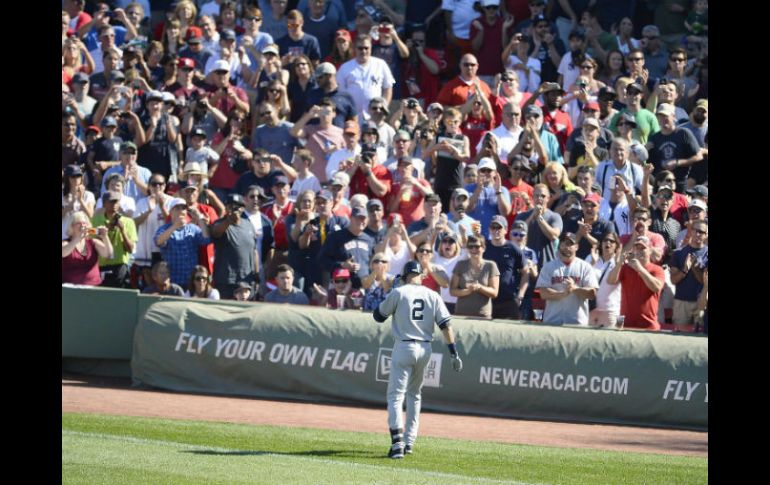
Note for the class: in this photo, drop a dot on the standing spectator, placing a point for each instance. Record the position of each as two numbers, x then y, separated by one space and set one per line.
510 262
547 48
698 124
566 284
602 259
619 165
407 195
522 70
222 95
368 176
448 255
663 221
161 284
421 69
234 158
297 42
487 36
196 208
200 285
274 21
75 198
393 51
301 83
520 191
286 291
588 148
670 16
349 249
81 249
557 121
599 41
179 240
303 227
197 51
544 226
235 249
529 273
305 180
136 177
326 77
687 274
252 39
647 124
159 151
127 204
396 244
366 77
377 113
434 276
448 153
263 228
618 206
375 226
121 232
667 91
655 54
458 15
591 229
340 204
151 213
697 211
323 139
642 282
343 158
72 148
378 283
277 211
272 134
506 135
475 282
674 149
641 227
456 92
488 199
342 50
322 22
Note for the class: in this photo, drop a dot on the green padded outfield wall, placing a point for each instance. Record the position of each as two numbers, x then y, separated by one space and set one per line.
511 369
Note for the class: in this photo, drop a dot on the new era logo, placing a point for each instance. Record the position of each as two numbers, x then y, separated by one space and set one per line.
432 375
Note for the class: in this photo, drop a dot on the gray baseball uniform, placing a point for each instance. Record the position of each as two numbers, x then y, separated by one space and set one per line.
415 309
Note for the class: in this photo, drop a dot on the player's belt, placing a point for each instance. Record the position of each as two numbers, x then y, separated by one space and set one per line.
415 340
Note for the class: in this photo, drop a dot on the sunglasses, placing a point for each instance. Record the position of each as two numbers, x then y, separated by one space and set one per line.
518 113
641 219
274 90
517 168
265 113
635 59
201 278
650 37
678 59
517 234
340 282
377 261
611 241
496 227
425 251
256 196
669 180
292 26
694 209
469 64
665 196
254 19
157 184
301 64
377 108
474 246
363 48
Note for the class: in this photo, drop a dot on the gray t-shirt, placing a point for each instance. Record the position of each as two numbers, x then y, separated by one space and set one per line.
415 309
539 242
475 304
296 297
571 309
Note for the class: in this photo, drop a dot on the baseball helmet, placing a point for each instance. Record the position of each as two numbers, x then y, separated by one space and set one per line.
412 267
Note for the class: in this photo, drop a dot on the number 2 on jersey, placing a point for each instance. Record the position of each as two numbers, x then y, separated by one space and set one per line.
419 306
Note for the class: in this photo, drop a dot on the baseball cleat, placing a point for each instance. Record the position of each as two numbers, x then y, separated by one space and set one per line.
396 450
408 449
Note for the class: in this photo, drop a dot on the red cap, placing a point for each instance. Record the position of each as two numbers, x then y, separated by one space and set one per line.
343 33
194 33
591 105
593 197
94 128
341 273
186 62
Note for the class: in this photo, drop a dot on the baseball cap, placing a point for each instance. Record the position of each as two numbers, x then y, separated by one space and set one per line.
194 35
700 190
221 65
358 212
412 267
109 121
520 226
591 122
593 197
628 118
404 159
381 100
279 179
551 86
532 109
93 128
498 219
702 103
351 127
664 188
271 48
591 105
324 194
579 32
227 34
370 128
117 75
568 235
437 106
487 3
341 178
185 62
112 196
540 18
459 191
432 198
487 162
80 77
260 191
154 96
402 135
607 92
665 109
193 168
73 171
325 68
373 203
639 151
635 87
235 199
198 132
343 33
340 273
127 145
242 285
699 204
449 236
168 97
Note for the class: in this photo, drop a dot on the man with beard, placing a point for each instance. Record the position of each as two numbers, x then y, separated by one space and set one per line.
458 210
543 226
590 229
699 126
566 284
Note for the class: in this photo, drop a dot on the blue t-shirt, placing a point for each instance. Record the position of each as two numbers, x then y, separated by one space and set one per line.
688 288
275 140
486 205
344 102
307 45
509 260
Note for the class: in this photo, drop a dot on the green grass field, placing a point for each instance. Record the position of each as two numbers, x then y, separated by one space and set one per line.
125 450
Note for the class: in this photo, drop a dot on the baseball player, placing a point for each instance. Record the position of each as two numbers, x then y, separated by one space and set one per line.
415 308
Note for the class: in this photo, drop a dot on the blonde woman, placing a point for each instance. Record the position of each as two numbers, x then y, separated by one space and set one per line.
81 250
74 197
377 283
475 282
186 12
397 246
74 52
555 177
448 255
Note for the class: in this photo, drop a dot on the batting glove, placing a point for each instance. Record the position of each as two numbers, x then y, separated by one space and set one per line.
457 363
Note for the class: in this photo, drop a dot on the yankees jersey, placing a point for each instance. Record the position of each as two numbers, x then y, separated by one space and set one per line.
415 309
364 81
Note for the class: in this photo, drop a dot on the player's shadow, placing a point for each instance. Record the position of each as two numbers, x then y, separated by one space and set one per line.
317 453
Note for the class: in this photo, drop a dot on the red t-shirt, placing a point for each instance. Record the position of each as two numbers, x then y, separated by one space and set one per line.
656 240
82 270
413 209
638 303
490 61
455 92
474 127
359 185
224 176
678 208
280 236
426 82
429 282
499 102
517 204
560 124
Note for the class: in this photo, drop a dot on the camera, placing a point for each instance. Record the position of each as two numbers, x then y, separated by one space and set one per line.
411 104
581 84
194 96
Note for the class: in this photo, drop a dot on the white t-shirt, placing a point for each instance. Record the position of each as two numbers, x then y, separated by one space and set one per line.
333 164
300 185
127 205
145 232
399 258
506 140
213 294
462 16
418 169
449 265
67 220
527 82
364 82
620 216
607 296
570 73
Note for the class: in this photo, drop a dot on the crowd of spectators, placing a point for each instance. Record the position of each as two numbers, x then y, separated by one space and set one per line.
542 160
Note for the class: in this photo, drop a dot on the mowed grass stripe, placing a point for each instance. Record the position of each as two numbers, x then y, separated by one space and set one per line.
184 462
465 459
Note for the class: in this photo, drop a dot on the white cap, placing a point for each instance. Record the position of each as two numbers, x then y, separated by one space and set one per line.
176 202
487 3
221 65
487 162
341 178
168 97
